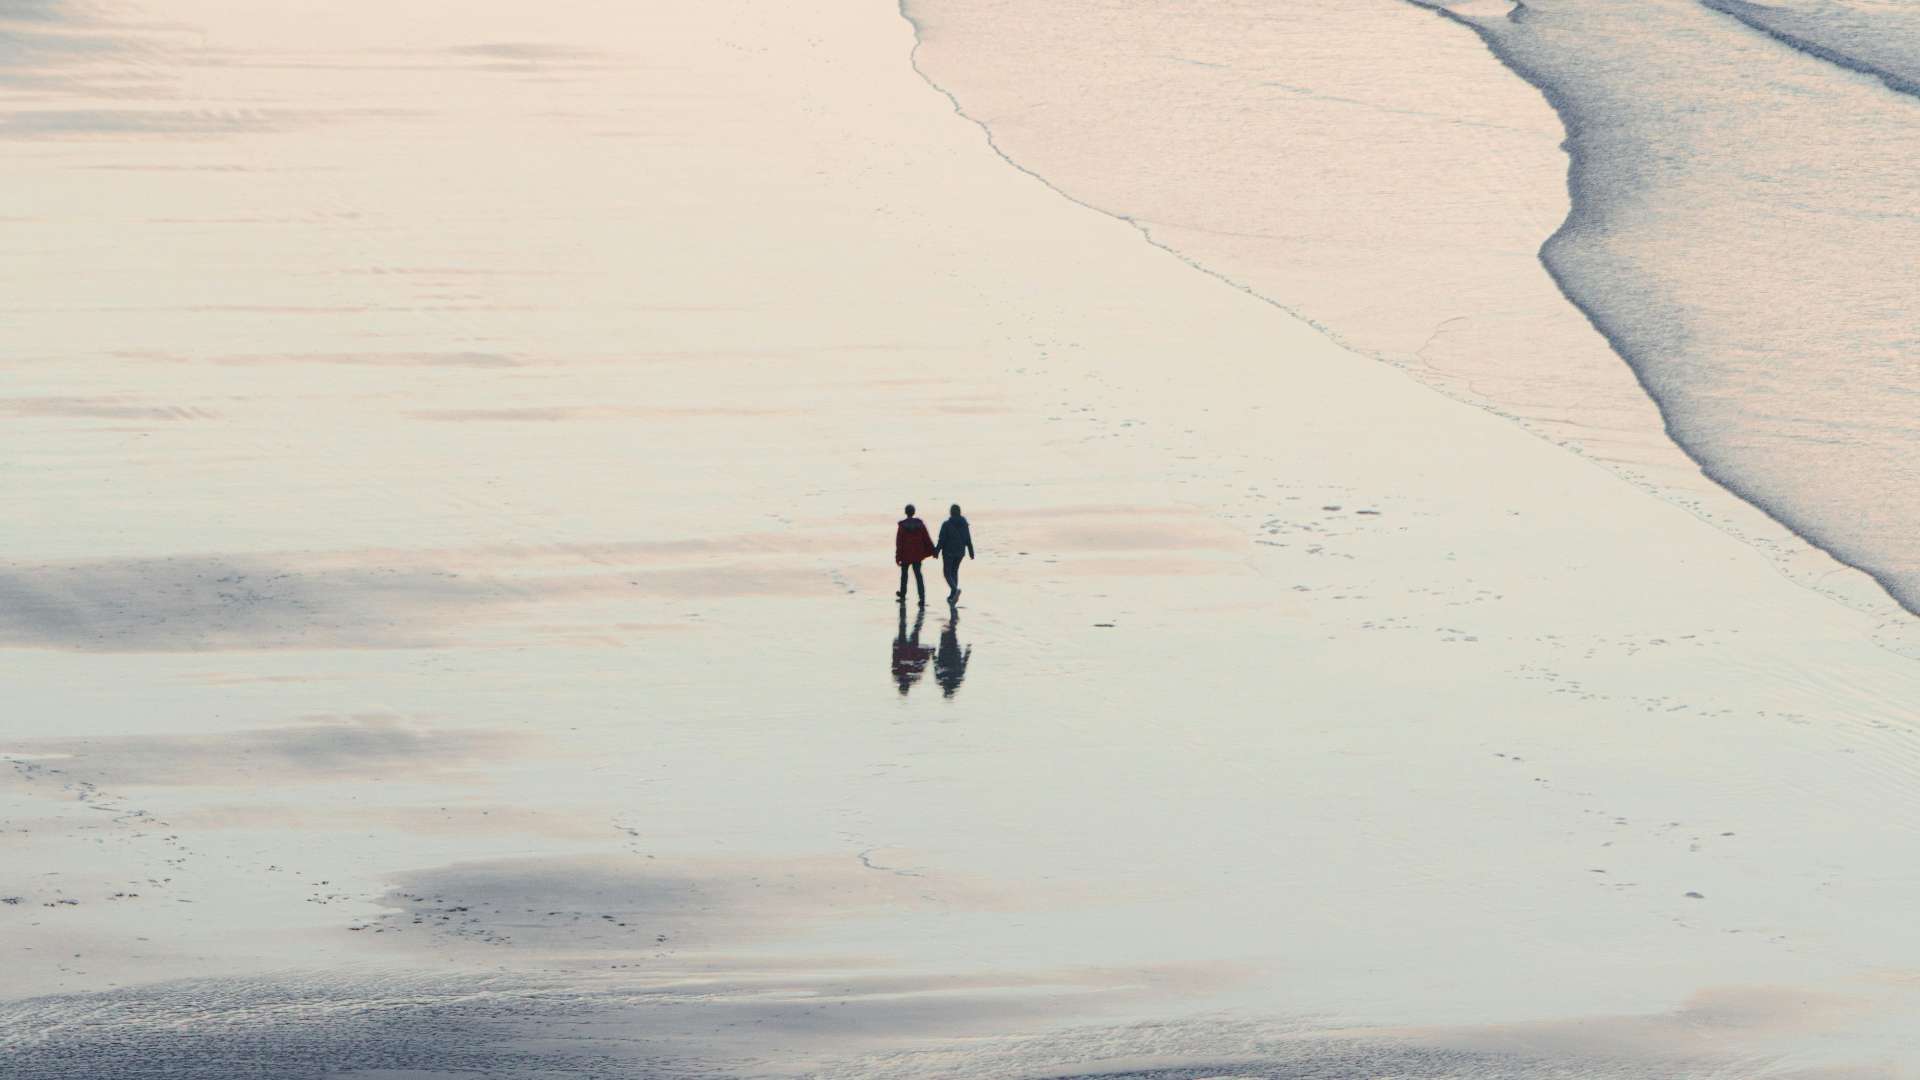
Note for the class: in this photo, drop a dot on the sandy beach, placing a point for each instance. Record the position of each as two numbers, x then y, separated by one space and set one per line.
448 621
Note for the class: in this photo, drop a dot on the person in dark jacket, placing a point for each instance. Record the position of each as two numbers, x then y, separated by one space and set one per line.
956 542
911 544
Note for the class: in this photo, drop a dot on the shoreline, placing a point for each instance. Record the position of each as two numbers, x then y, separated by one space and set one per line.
1581 218
1624 426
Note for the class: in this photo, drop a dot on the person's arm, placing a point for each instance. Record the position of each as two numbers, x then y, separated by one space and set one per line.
969 541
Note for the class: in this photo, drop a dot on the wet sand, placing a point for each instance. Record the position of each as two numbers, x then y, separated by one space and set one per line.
452 629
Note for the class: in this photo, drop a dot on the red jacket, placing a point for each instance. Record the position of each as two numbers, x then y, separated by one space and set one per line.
911 543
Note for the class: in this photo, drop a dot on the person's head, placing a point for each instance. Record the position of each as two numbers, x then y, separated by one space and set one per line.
909 509
954 509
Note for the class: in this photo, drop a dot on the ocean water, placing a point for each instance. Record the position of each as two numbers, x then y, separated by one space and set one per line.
1877 37
1722 258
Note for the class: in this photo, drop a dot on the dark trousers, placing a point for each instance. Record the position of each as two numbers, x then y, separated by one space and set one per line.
917 580
951 567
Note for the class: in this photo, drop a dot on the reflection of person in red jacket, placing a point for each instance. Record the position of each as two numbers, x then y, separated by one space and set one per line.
909 656
911 543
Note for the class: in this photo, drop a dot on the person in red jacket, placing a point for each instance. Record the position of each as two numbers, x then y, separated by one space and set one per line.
911 543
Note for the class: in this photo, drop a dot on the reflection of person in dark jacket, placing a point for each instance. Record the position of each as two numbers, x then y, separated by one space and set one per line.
910 545
950 663
956 542
909 656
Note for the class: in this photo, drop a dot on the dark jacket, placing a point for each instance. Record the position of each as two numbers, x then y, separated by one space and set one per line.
955 538
911 542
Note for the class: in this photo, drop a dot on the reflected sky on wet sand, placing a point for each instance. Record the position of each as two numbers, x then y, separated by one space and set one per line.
610 1026
453 454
